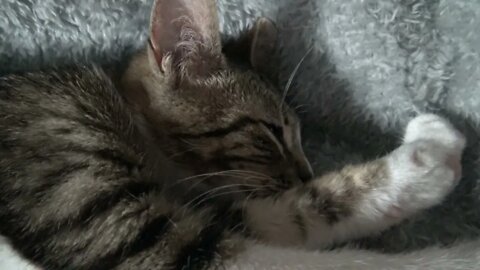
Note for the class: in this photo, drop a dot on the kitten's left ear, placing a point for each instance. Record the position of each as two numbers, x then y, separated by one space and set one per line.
185 37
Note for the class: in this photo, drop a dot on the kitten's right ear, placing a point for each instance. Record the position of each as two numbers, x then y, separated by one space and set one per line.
185 38
264 40
258 45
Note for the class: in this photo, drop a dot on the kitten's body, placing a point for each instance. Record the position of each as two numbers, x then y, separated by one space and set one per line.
88 199
93 177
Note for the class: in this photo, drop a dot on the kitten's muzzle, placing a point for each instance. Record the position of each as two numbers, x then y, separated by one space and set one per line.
300 172
304 170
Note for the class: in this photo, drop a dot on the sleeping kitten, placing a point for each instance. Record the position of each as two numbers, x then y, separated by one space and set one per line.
193 164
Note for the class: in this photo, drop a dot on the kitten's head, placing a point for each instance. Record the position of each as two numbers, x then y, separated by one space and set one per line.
208 114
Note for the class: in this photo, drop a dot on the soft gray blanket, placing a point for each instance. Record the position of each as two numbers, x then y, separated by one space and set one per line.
374 65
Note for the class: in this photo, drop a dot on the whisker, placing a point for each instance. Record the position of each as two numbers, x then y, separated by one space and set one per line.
205 175
243 209
213 190
244 178
300 106
189 143
245 202
225 193
291 77
238 173
182 152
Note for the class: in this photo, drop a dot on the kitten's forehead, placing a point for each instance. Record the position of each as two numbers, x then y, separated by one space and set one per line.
220 99
246 92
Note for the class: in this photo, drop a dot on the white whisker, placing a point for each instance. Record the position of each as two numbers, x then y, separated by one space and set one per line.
226 193
291 77
213 190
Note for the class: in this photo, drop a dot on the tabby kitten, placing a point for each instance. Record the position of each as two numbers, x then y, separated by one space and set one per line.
191 163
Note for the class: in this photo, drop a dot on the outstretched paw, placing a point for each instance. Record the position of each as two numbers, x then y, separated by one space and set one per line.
437 129
427 166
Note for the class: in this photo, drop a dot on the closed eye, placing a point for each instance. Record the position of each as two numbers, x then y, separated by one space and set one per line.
275 136
276 131
263 144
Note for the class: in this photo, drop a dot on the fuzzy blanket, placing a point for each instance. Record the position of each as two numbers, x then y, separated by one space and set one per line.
374 65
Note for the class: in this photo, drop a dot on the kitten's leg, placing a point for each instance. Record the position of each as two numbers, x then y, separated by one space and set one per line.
367 198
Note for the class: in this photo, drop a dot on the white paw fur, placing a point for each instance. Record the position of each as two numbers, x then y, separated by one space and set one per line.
426 167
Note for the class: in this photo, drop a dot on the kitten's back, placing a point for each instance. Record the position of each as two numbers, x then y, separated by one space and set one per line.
69 152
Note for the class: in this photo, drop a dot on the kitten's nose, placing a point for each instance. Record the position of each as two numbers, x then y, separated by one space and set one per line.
304 171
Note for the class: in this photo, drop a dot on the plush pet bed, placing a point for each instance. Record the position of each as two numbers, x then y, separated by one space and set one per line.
373 66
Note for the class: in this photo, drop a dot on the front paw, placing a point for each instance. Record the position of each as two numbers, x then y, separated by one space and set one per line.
428 165
435 128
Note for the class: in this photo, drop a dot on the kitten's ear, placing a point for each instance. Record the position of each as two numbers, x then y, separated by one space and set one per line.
185 38
263 43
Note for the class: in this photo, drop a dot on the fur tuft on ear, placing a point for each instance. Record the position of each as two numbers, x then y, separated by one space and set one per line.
187 32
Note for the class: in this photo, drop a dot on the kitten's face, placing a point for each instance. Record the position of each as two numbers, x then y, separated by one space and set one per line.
208 115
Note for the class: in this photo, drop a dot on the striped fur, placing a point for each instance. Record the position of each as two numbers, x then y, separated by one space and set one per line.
186 160
79 187
74 192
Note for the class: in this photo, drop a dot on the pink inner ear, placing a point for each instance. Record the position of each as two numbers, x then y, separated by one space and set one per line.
170 17
164 33
156 53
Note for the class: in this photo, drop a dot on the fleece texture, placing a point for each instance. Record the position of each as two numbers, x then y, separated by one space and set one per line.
371 66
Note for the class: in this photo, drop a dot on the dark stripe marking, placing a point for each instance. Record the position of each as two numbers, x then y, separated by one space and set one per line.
148 236
276 131
106 200
249 159
299 220
101 203
261 147
331 207
58 177
200 253
221 132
